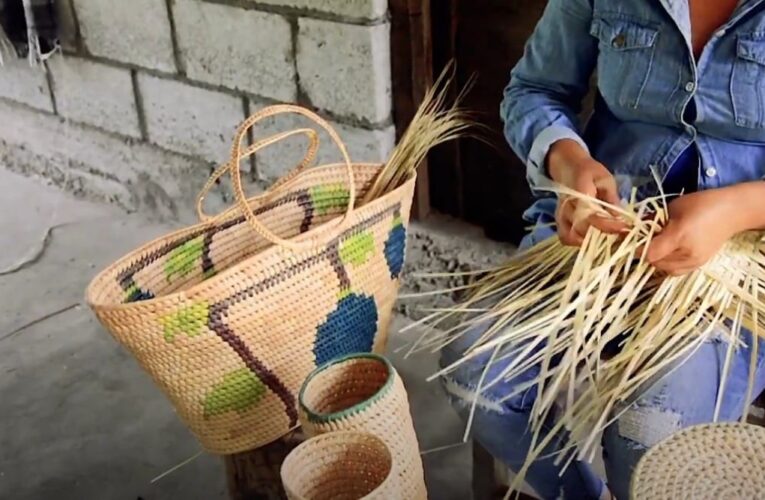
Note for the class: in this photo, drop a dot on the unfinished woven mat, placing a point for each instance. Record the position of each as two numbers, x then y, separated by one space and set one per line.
599 323
363 392
706 462
230 315
341 466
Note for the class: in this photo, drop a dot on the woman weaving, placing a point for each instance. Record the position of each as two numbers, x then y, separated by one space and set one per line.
681 96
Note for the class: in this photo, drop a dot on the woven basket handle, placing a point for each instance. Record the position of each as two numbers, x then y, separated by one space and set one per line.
313 146
236 177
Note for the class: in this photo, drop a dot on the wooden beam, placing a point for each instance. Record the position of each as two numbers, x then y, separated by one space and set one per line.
412 75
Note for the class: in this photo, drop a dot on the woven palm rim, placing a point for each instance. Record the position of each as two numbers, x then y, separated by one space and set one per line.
341 464
704 462
321 417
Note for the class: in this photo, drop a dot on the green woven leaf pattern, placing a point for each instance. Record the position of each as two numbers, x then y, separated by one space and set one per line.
357 249
188 320
238 391
180 262
131 291
328 197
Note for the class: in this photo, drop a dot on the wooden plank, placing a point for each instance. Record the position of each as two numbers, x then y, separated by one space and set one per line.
401 65
422 78
445 171
412 75
490 39
255 474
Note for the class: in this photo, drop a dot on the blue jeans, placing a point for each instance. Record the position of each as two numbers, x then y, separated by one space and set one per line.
683 397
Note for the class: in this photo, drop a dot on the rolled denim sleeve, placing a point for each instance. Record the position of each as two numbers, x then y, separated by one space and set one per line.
546 88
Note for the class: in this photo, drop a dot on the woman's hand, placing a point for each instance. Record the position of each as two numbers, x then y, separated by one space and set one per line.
700 223
570 165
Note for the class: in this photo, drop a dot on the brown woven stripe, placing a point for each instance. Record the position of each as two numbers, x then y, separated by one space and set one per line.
125 277
305 201
309 261
215 323
337 264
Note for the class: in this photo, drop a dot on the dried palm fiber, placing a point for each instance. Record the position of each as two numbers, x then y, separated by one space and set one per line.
208 310
562 308
363 392
342 465
704 462
434 123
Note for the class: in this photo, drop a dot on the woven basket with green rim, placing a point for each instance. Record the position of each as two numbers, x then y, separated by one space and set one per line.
363 392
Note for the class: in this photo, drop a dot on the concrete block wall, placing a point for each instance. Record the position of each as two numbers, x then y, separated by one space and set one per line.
145 98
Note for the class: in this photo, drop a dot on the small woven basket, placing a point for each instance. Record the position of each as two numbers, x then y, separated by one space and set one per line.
363 392
723 461
340 465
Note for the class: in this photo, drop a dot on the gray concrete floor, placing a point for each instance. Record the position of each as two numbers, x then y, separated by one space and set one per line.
79 419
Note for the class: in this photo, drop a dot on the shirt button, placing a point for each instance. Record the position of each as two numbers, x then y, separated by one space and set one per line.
690 87
619 41
720 33
711 171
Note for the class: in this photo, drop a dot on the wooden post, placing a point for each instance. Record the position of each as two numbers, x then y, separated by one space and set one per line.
412 75
254 475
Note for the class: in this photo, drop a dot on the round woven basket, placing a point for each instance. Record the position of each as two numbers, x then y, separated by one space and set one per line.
710 461
363 392
340 465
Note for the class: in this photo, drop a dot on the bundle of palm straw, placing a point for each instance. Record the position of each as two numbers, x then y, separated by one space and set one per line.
559 308
432 124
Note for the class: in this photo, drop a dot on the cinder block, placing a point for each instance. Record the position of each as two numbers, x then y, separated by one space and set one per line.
98 165
364 146
96 94
345 68
357 9
189 120
25 84
135 31
236 48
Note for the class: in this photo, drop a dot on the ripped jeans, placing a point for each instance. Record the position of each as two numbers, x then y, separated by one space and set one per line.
683 397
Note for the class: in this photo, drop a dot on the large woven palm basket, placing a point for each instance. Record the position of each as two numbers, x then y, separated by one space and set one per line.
230 315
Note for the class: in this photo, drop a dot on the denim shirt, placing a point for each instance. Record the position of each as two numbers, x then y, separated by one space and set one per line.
647 77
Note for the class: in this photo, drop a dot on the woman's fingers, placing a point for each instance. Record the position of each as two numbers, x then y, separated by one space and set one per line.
574 219
607 190
580 227
610 225
568 236
663 244
564 219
